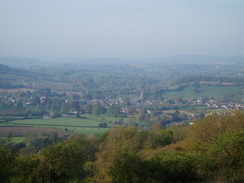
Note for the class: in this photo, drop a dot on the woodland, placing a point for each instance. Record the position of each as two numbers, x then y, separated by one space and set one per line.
210 150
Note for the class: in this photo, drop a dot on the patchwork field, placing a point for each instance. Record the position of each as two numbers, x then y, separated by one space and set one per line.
205 91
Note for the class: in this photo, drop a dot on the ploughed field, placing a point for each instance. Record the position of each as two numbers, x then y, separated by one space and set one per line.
22 131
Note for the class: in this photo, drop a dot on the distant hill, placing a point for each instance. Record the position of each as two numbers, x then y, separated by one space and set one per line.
202 59
17 78
9 70
176 59
4 68
19 62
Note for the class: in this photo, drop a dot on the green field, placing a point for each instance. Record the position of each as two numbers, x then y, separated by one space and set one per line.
62 121
220 91
14 139
85 120
88 131
205 91
87 124
181 111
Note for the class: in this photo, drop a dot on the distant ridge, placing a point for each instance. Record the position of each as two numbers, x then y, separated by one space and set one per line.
18 62
176 59
203 59
16 71
4 68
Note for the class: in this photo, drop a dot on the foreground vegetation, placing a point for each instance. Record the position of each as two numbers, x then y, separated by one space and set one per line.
210 150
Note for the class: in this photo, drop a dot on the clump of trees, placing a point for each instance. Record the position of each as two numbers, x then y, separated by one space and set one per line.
211 150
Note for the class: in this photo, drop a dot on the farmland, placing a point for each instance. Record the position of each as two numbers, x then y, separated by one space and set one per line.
87 124
204 91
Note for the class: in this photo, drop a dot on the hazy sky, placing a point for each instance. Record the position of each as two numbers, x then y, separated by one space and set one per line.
120 28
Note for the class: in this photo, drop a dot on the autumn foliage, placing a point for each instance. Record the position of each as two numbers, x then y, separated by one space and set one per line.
210 150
